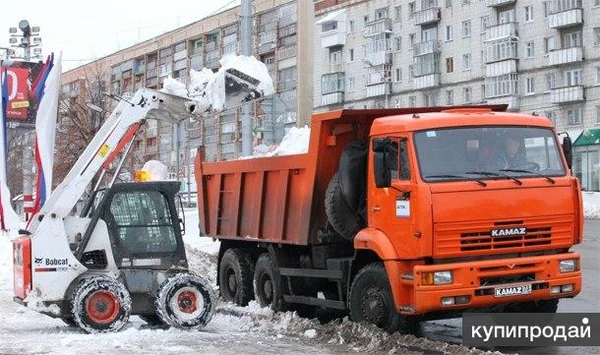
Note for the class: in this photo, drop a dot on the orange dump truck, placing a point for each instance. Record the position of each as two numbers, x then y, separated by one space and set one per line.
401 215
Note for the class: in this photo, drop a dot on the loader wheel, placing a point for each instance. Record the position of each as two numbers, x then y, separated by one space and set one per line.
267 284
68 321
235 277
185 301
371 301
339 214
100 304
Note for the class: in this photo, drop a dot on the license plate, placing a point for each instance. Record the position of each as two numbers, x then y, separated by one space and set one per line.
512 290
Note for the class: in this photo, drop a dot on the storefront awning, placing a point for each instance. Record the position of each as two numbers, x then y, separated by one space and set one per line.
588 137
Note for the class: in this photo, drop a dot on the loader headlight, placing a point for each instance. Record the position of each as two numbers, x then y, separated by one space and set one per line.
568 265
437 278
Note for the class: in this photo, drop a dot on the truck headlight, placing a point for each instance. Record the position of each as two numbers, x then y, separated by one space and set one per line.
568 265
436 278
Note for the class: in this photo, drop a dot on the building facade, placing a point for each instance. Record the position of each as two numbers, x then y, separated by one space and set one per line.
535 56
282 39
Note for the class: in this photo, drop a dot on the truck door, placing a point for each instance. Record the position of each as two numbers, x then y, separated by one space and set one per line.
392 209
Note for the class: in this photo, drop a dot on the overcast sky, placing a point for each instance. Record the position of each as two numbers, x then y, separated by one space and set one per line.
87 30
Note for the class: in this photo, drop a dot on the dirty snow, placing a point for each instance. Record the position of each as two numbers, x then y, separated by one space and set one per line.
233 329
295 141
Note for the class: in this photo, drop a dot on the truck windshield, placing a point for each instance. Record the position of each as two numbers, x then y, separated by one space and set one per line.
492 152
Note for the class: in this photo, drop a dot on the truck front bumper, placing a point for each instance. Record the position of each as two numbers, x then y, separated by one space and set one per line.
484 284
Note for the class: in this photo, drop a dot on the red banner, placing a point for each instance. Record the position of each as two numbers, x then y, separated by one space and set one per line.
22 104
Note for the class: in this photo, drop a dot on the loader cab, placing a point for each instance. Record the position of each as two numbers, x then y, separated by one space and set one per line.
143 224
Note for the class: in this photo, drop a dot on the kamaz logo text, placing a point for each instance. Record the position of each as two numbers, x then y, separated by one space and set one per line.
506 232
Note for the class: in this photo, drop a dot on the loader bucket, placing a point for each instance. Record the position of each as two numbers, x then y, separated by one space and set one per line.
240 88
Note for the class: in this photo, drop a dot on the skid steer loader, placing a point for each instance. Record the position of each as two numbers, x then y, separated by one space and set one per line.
124 254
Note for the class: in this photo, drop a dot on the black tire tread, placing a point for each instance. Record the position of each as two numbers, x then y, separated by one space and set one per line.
241 261
339 214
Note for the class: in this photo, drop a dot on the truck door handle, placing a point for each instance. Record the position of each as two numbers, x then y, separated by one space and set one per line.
376 208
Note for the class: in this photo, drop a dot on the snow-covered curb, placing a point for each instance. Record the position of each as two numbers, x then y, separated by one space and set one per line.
591 204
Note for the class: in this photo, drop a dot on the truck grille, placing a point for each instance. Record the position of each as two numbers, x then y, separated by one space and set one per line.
483 240
478 238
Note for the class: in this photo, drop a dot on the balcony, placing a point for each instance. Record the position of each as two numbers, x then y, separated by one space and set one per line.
379 58
332 98
150 132
565 56
378 89
426 81
498 3
500 31
567 18
501 68
338 67
266 42
427 16
567 94
428 47
332 38
377 27
502 86
513 102
151 149
501 50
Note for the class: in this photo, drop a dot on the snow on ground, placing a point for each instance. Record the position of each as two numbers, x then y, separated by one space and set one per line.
591 204
233 329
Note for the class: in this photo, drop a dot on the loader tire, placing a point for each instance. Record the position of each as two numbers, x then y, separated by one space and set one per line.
341 217
185 301
100 304
268 287
235 277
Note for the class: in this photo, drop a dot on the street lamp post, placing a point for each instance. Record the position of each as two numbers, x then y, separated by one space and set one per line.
30 38
386 80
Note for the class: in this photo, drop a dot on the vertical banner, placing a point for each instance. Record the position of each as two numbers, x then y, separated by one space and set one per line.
46 90
21 102
8 218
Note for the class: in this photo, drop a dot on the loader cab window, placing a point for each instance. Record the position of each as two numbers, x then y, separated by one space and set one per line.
142 222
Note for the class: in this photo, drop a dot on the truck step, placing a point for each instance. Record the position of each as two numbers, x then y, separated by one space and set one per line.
318 273
314 301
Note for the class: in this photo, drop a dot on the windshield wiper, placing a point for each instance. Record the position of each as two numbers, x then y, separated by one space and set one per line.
530 172
489 173
449 176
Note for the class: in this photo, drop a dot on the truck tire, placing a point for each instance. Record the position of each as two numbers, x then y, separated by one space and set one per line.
267 284
235 277
185 301
371 301
341 217
100 304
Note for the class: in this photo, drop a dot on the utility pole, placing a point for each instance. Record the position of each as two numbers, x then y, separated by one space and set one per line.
246 44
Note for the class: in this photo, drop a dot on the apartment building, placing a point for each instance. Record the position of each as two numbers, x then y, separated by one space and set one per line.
282 40
535 56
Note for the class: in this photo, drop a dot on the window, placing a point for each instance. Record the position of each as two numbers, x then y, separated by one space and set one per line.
597 113
545 6
449 65
412 101
485 23
528 13
598 75
429 100
573 77
404 165
572 39
381 13
466 28
448 4
350 84
411 39
335 55
412 8
551 115
467 61
574 116
596 35
398 13
331 83
550 81
530 86
596 2
449 97
351 55
351 25
448 33
411 72
467 95
399 74
529 49
398 42
366 19
548 44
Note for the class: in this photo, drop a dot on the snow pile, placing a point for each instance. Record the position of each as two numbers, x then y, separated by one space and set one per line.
591 204
156 170
199 80
295 141
174 87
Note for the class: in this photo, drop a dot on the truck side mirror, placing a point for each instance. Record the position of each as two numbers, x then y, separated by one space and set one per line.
567 147
381 162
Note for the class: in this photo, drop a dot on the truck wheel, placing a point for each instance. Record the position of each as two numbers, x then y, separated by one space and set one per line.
267 283
185 301
235 277
100 304
339 214
371 301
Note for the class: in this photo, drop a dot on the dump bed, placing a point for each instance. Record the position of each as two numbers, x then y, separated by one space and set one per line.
281 199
